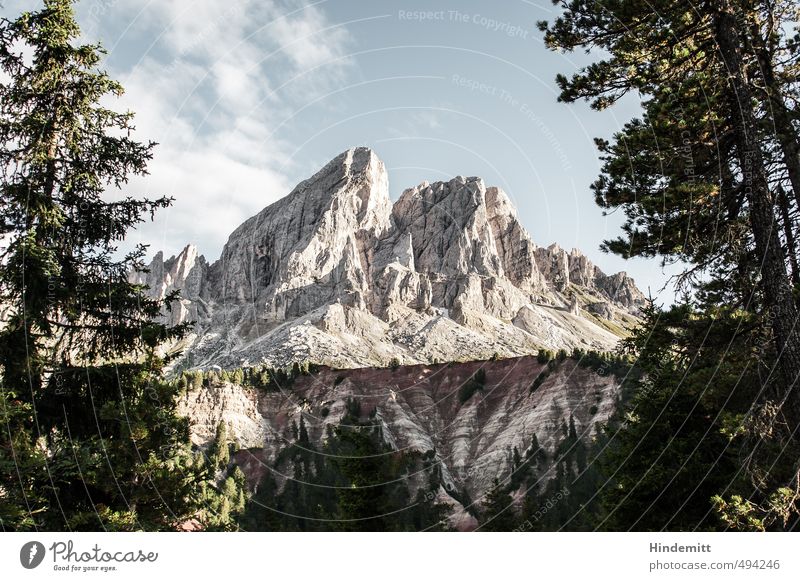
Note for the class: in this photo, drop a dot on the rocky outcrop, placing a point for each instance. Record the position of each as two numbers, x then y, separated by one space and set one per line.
601 309
186 273
234 405
620 289
337 274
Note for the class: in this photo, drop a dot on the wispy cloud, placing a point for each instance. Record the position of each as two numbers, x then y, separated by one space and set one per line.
210 80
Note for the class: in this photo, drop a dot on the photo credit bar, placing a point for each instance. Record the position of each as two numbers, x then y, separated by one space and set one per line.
465 556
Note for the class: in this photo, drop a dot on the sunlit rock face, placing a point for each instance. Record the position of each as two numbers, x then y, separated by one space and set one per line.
445 281
336 274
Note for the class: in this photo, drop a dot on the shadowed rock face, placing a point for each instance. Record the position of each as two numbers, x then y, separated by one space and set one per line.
420 410
336 274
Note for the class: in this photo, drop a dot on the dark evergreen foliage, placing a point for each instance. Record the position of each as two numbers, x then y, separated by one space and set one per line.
474 384
355 483
90 438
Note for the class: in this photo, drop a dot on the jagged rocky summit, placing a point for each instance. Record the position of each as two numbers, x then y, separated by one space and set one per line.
336 274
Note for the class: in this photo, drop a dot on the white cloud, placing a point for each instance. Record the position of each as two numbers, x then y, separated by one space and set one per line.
307 39
214 193
205 91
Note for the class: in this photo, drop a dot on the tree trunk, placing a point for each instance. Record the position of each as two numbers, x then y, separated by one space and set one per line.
788 232
780 305
785 133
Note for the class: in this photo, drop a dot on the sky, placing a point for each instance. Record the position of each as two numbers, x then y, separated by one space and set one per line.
248 97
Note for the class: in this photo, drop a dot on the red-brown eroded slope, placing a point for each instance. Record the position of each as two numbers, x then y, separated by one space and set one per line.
420 408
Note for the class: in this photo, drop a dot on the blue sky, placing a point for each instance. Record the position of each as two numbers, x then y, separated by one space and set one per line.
248 97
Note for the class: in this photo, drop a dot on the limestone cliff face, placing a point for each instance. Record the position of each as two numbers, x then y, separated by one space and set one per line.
336 274
187 273
310 248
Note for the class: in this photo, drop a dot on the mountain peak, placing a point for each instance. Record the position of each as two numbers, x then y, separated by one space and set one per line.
335 273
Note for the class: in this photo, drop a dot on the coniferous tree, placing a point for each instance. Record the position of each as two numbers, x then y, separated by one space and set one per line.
365 463
219 451
701 177
537 453
674 461
498 509
357 482
302 436
88 421
21 461
699 159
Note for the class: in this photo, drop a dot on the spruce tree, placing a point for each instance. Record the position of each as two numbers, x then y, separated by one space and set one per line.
22 463
498 510
88 422
302 436
237 377
365 502
536 452
219 452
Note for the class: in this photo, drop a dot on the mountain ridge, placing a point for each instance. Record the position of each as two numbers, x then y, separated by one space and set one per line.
336 274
